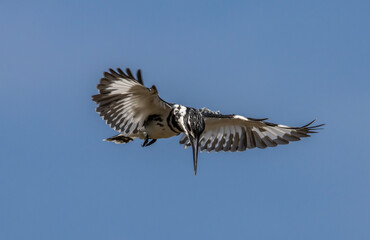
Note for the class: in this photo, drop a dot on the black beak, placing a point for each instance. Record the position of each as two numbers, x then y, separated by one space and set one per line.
194 143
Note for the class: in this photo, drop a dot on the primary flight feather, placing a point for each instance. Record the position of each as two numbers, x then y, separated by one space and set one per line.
138 112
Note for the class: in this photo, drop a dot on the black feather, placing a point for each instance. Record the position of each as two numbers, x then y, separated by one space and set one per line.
139 77
129 73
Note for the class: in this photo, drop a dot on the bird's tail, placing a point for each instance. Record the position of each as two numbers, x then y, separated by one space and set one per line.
119 139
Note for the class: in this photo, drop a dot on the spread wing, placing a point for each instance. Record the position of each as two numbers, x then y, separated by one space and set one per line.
125 103
237 133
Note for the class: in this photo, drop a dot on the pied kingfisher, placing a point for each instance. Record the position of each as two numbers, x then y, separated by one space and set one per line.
138 112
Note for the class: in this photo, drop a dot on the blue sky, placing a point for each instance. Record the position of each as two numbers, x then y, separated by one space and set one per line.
291 61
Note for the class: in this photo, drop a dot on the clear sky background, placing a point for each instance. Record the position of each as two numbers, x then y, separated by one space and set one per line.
291 61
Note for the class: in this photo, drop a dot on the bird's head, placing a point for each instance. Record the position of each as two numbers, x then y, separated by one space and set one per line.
192 122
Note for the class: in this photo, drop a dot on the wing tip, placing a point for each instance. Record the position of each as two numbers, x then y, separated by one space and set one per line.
112 74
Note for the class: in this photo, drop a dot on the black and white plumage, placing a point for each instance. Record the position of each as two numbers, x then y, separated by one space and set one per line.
138 112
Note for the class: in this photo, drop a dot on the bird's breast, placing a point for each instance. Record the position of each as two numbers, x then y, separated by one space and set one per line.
157 127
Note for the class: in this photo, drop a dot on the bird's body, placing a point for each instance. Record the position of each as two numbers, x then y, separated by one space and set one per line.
137 112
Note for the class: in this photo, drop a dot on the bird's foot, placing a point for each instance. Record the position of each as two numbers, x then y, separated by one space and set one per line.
147 143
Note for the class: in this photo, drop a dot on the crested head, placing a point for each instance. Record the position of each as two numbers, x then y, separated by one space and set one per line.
194 122
190 120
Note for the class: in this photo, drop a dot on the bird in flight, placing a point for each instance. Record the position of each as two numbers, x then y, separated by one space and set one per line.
138 112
